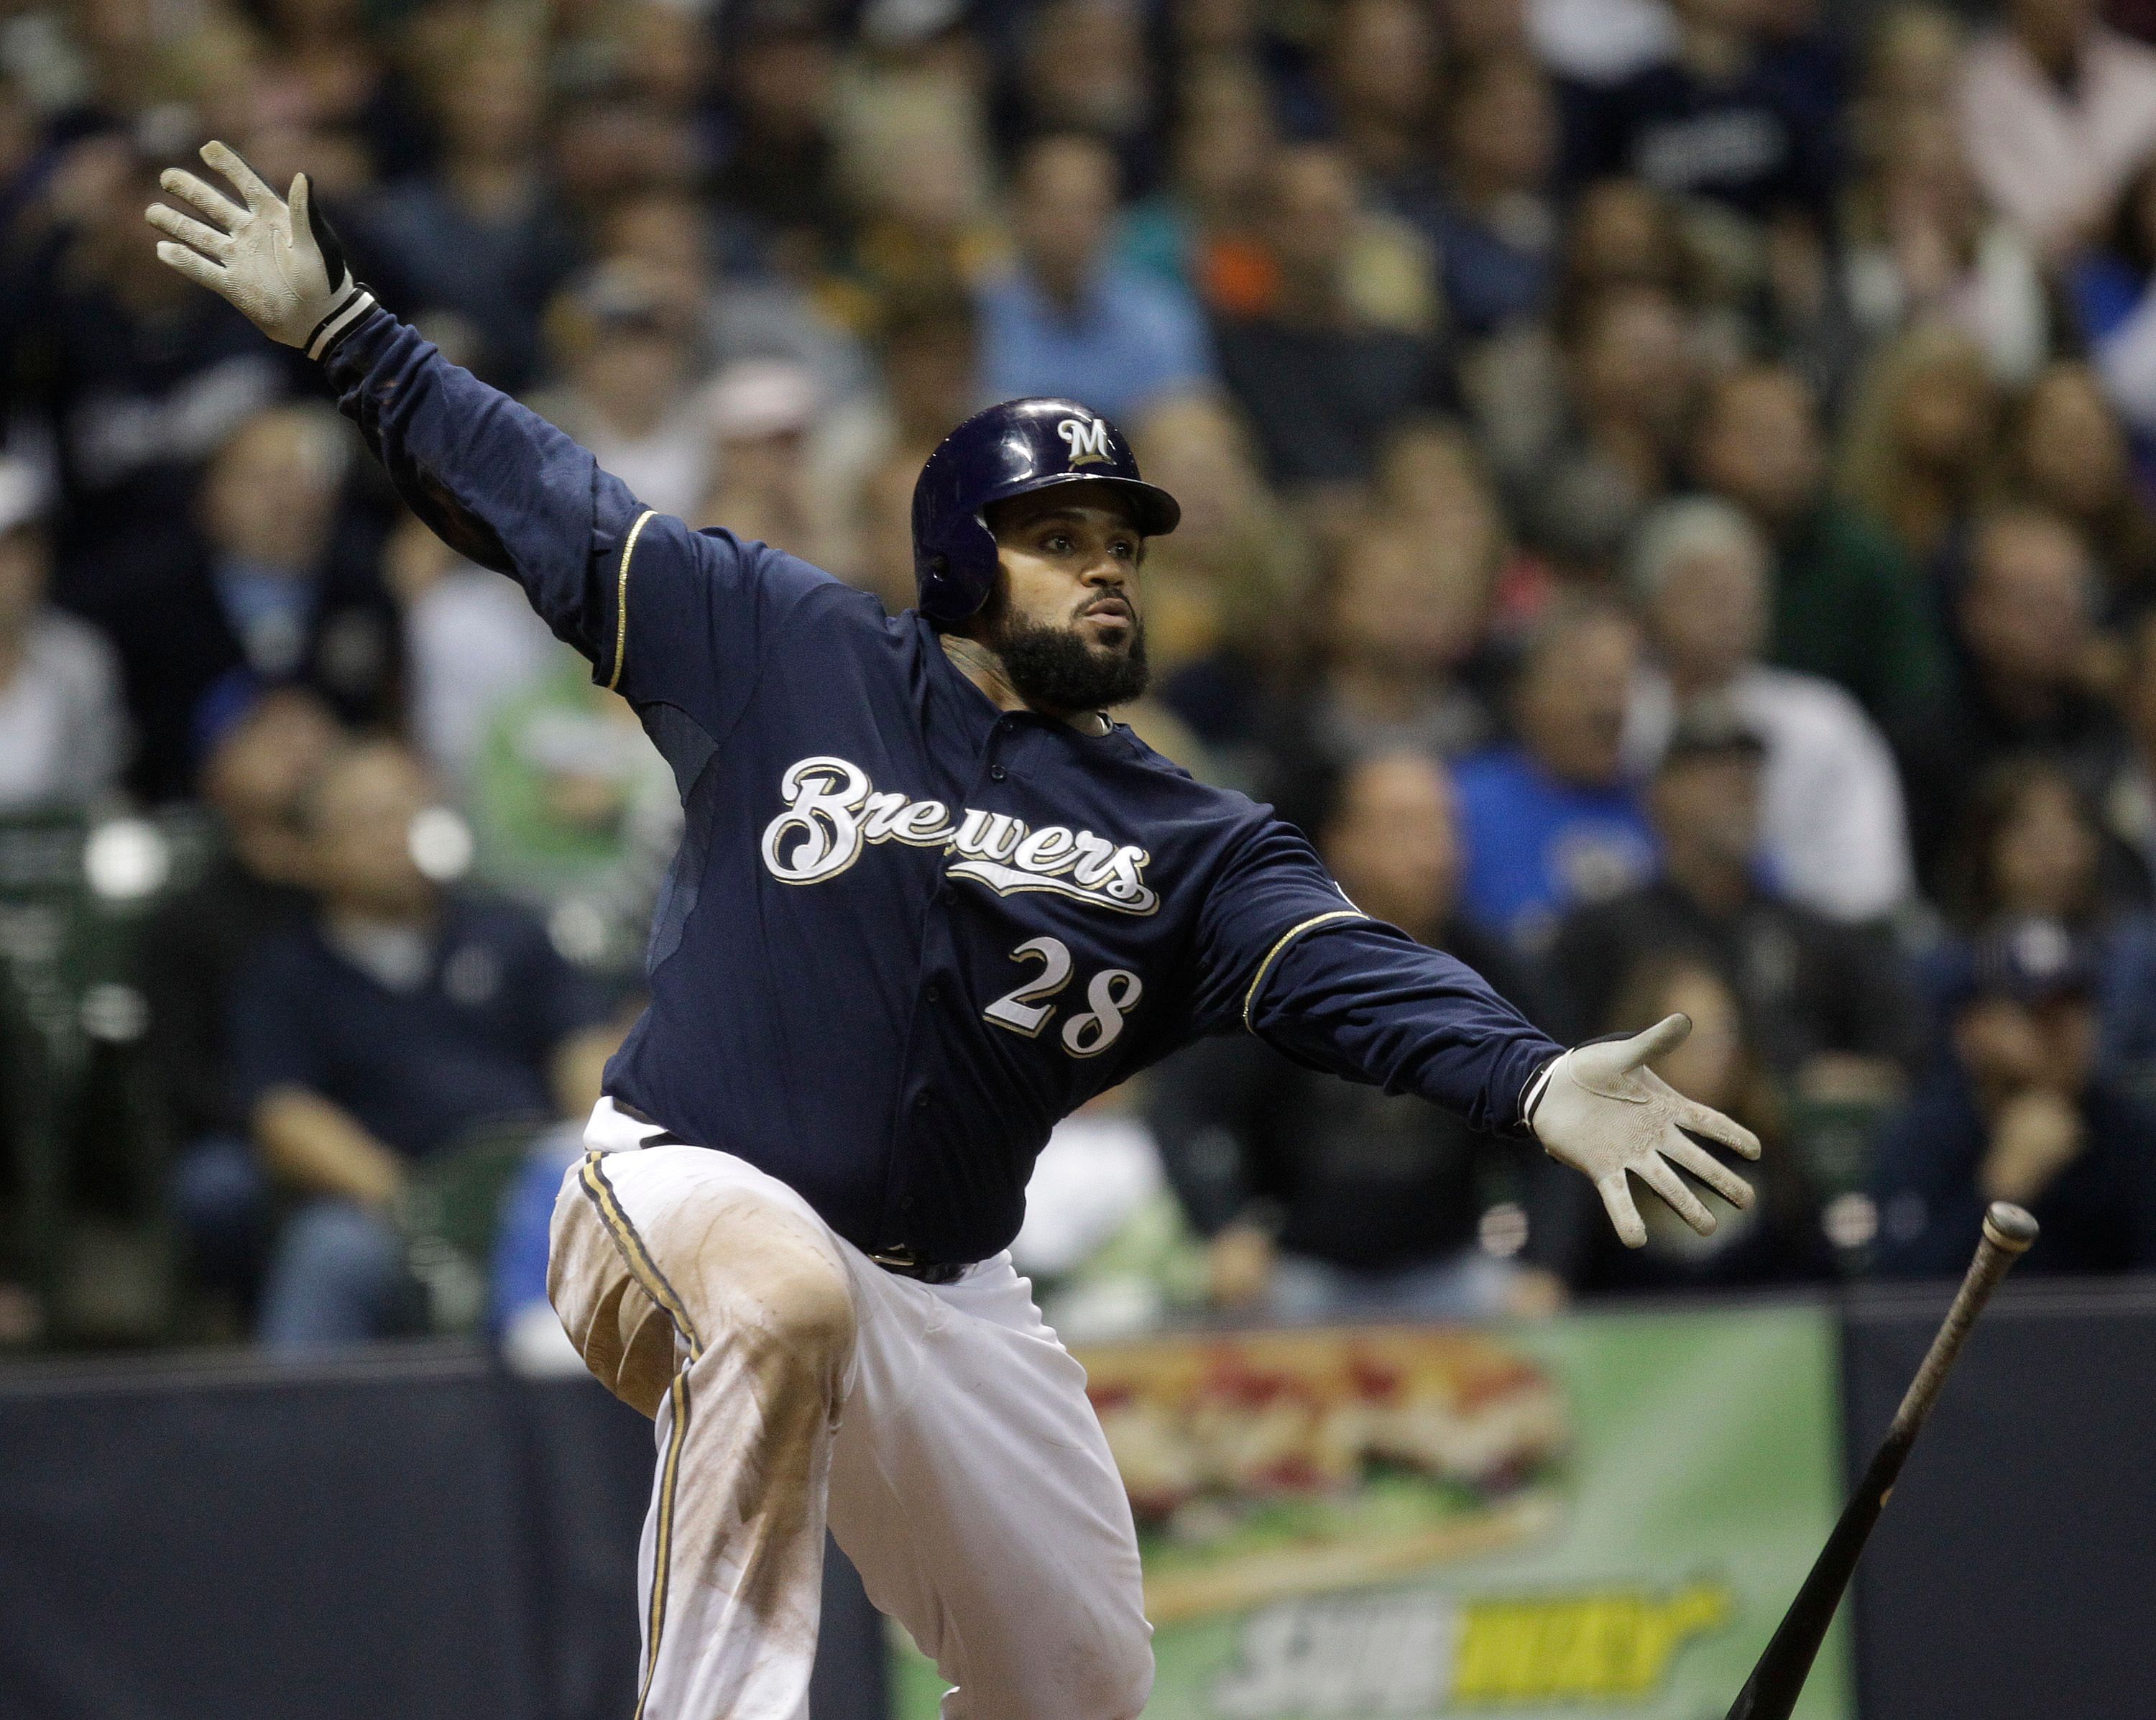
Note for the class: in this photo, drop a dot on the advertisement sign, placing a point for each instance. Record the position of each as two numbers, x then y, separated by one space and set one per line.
1598 1515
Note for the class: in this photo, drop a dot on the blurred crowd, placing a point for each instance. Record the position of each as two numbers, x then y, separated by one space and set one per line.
1669 503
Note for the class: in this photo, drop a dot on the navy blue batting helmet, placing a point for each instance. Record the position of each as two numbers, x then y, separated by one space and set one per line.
1008 451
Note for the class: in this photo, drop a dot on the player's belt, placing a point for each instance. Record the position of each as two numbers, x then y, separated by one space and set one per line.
664 1138
901 1261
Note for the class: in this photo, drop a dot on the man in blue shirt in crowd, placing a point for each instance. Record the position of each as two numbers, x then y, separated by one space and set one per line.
1551 821
401 1018
1071 318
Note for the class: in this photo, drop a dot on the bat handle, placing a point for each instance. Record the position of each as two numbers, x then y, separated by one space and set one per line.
2008 1233
1777 1680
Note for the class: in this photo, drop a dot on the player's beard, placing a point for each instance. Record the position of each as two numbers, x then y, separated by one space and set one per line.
1054 668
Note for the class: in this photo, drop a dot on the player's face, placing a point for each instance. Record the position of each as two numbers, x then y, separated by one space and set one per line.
1071 562
1063 616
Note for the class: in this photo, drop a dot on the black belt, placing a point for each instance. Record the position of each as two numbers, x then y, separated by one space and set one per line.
900 1260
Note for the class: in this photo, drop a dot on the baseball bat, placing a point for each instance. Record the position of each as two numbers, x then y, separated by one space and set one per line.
1776 1682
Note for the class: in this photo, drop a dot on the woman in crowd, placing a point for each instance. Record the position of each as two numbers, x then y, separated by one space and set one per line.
2032 854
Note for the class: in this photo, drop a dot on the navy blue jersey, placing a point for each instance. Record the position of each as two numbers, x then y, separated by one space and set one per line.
907 931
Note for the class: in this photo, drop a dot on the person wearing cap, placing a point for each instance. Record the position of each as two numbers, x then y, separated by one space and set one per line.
1831 821
761 412
2019 1109
1824 1003
63 732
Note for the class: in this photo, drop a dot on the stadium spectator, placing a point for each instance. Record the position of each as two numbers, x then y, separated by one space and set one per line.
195 947
1319 376
2027 623
1196 231
1832 832
1381 60
1620 233
1919 242
477 246
1552 820
2068 452
1719 119
334 88
1320 1199
1919 445
284 593
63 734
1847 605
926 345
1778 1240
665 237
2060 113
1214 591
1404 611
1495 224
1912 61
1823 1004
2032 852
881 527
760 411
400 1017
781 170
1084 69
131 379
1631 374
2021 1109
1071 318
469 640
920 175
629 363
1104 1239
2128 800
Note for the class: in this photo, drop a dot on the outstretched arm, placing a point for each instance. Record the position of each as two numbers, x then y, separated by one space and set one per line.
1318 980
499 484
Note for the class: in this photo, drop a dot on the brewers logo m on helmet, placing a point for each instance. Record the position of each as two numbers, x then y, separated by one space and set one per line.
1010 450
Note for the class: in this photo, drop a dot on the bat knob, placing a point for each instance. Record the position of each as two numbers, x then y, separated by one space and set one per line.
2009 1227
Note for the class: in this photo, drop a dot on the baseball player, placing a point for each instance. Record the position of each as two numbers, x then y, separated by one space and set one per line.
930 899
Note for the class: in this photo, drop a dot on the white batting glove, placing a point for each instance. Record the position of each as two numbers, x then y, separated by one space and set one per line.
1599 1109
279 265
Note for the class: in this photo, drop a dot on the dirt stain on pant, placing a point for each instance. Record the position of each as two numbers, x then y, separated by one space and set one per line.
771 1307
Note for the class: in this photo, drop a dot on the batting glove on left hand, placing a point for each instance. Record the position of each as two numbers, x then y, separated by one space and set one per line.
1599 1109
279 264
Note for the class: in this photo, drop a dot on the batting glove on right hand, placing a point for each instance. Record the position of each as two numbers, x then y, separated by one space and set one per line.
1599 1109
279 264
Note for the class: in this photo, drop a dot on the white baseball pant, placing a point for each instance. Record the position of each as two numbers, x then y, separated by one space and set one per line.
943 1429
